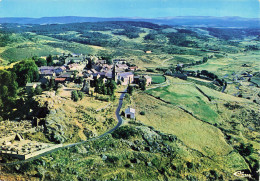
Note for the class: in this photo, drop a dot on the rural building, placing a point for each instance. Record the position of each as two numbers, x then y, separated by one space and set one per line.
125 77
67 75
121 66
148 80
51 70
60 80
119 61
75 59
32 85
134 68
130 113
45 73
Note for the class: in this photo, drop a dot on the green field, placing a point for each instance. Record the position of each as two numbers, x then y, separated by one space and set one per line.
157 79
188 97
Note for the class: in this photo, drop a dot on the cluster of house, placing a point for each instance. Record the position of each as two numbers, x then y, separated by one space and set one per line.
119 71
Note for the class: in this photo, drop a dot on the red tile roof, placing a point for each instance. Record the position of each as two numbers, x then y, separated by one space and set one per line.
60 79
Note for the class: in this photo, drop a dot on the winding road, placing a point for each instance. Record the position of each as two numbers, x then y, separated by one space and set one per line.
119 119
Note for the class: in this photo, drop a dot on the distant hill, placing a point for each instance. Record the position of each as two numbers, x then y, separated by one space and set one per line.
197 21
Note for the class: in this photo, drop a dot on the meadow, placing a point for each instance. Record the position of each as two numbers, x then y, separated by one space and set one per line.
156 79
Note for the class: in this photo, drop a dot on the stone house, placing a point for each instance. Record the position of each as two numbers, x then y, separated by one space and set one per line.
32 85
148 80
130 113
60 80
125 78
134 68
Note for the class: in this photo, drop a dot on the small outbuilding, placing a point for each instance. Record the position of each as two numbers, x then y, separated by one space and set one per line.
32 85
130 113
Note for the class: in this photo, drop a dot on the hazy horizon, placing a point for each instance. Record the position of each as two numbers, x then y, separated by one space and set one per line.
133 17
129 8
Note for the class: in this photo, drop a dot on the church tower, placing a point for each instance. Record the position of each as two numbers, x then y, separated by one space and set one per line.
114 74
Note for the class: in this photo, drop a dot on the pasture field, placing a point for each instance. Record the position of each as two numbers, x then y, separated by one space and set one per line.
170 119
189 98
157 79
231 64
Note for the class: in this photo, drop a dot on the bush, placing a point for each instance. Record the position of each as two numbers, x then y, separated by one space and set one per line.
150 70
189 165
246 150
74 96
125 132
142 113
80 95
112 159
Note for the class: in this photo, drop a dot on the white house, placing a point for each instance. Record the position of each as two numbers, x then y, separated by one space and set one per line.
130 113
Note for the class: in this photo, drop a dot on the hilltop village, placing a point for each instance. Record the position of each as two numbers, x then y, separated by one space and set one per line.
89 75
90 70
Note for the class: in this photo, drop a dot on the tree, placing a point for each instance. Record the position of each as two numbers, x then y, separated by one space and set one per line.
98 86
74 96
127 97
31 92
38 90
111 87
8 92
52 84
49 60
89 64
142 85
8 84
41 62
26 71
205 59
104 90
35 58
79 80
80 95
130 89
109 61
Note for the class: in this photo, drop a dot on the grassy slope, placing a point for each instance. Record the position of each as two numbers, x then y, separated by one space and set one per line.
188 97
232 63
167 118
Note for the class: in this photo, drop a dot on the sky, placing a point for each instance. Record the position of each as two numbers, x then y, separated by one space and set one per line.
129 8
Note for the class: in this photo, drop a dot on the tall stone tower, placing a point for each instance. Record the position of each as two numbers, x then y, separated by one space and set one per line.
114 74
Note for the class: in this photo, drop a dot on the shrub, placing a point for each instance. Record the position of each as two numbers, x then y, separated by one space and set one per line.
246 150
142 113
112 159
189 165
74 96
125 132
80 95
150 70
